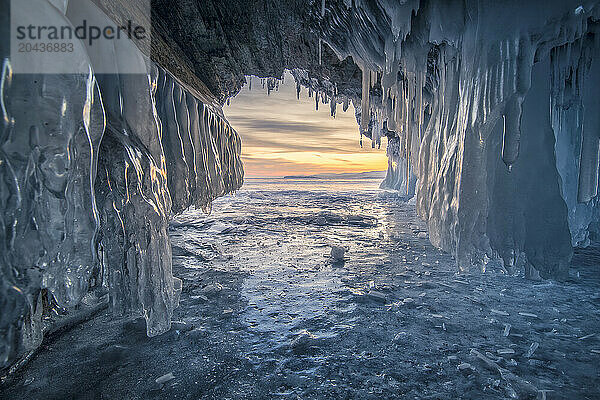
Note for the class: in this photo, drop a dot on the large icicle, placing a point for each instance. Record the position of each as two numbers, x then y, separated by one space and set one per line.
92 168
454 80
511 136
365 102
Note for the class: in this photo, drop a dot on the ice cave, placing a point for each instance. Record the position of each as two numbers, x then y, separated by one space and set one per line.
138 262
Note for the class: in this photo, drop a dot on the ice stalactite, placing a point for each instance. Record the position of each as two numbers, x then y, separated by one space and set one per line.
575 72
511 136
270 83
93 167
365 101
324 90
588 168
457 104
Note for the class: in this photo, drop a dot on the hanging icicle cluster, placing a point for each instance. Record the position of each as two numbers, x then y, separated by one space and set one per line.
459 89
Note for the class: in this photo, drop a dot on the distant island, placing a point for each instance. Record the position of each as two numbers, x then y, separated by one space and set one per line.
345 175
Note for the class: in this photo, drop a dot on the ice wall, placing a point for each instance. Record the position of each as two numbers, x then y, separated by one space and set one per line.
488 107
575 97
92 167
492 108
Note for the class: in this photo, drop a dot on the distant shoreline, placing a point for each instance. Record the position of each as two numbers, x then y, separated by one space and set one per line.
303 177
324 176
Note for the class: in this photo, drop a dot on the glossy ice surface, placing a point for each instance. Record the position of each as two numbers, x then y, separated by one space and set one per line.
490 109
264 313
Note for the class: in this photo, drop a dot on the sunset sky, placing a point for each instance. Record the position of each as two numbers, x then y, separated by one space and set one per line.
285 136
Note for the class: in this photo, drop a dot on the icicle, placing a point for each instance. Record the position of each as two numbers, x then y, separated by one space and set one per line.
588 168
511 138
391 124
332 106
419 105
388 104
320 57
390 52
365 111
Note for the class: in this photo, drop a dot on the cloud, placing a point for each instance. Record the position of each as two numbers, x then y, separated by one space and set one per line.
277 146
282 135
280 125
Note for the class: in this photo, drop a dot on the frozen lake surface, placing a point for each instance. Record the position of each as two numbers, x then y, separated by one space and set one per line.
266 313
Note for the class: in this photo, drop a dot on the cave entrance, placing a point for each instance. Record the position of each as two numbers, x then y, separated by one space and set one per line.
292 131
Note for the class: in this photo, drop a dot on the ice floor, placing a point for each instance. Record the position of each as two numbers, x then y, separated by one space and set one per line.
265 314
